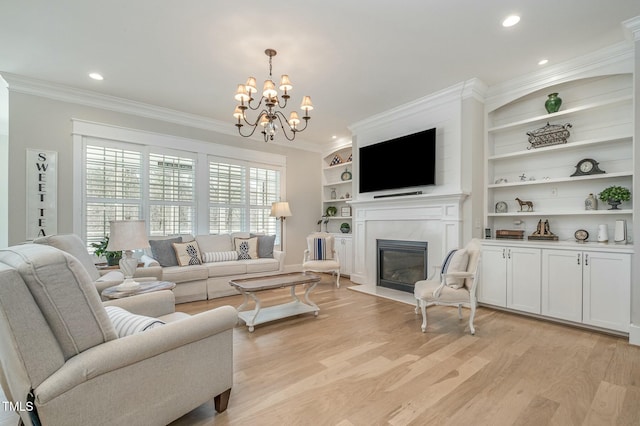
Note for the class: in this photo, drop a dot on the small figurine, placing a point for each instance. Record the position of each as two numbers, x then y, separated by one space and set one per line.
529 204
523 177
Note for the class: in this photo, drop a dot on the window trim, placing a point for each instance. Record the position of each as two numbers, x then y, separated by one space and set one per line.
84 131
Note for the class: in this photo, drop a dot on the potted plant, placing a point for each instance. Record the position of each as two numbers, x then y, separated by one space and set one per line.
614 195
113 257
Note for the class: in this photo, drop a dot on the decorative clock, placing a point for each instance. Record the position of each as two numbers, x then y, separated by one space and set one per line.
501 207
346 175
581 235
586 167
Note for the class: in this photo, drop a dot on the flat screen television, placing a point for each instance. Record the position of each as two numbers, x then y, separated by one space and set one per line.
403 162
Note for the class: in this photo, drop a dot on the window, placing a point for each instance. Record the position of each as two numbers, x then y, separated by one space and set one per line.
175 191
113 190
240 198
171 195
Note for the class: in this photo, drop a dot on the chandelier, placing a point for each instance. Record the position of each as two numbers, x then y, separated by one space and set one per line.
270 117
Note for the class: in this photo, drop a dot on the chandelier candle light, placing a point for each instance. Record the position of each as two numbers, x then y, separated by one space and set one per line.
127 235
270 116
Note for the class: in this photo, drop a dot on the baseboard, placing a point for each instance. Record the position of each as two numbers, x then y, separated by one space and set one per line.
634 334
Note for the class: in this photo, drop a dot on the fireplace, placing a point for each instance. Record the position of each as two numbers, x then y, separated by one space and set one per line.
401 263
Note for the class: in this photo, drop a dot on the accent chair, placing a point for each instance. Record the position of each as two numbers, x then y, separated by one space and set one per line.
321 256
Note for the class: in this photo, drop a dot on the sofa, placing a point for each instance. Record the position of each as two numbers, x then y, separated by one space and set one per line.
202 266
66 358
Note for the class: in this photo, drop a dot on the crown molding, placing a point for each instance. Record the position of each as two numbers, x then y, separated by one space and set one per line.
632 28
59 92
616 59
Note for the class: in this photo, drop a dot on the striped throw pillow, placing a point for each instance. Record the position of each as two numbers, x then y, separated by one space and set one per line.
219 256
127 323
321 249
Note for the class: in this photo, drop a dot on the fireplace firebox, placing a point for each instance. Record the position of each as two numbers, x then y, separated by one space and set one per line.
401 263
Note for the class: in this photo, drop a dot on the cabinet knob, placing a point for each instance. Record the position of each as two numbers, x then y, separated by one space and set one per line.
578 258
586 259
503 253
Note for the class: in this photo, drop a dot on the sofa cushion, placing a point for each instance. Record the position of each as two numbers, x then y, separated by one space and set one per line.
219 256
187 253
163 252
247 248
222 269
181 274
262 265
265 245
213 243
127 323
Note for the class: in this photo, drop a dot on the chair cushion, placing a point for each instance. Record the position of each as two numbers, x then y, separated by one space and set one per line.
127 323
425 289
320 248
219 256
265 245
187 253
247 248
321 265
163 252
72 244
457 263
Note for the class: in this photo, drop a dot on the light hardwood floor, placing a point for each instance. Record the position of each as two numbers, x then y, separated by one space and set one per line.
364 361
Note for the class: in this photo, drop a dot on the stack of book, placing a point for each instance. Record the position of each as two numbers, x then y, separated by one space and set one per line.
510 234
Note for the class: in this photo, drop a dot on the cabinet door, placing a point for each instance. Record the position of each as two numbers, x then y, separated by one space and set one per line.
562 284
606 281
492 288
523 279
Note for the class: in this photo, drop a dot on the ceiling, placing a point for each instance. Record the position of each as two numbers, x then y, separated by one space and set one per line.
354 58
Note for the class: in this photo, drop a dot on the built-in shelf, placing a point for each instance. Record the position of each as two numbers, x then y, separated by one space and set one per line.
339 182
560 180
335 166
563 213
587 106
556 148
340 200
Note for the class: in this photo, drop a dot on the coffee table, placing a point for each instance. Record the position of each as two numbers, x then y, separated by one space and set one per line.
144 287
250 287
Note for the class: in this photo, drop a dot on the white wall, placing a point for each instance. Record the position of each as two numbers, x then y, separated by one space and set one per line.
41 122
4 163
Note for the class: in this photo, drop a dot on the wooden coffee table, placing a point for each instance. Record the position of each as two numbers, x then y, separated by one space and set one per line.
144 287
249 287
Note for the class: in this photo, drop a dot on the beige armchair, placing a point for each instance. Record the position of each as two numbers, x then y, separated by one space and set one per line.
62 359
455 286
320 255
73 245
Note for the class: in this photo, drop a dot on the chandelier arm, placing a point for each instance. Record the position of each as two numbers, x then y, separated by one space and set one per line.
284 124
253 130
262 98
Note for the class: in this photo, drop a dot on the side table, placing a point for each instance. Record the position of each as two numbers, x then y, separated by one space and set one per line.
144 287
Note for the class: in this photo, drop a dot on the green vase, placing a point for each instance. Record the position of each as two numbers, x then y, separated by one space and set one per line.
553 103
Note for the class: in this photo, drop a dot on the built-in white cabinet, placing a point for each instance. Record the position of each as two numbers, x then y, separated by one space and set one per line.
344 249
587 286
511 278
583 283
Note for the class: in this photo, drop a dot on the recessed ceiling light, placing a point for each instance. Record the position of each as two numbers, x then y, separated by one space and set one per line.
510 21
334 137
543 61
96 76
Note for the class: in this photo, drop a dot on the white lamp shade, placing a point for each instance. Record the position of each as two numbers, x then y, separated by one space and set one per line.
280 209
127 235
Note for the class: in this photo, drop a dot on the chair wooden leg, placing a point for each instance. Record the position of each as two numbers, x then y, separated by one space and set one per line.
423 308
417 308
221 401
471 317
338 279
459 311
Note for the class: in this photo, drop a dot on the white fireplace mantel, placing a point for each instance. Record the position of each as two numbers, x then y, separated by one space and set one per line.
435 218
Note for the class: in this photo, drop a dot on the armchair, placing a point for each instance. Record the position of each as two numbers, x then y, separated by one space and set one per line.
456 285
73 245
61 352
320 255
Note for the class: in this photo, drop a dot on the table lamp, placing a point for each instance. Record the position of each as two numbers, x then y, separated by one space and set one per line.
280 209
127 235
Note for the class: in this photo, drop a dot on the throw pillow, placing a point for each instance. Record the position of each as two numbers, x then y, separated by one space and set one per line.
247 248
265 245
458 263
187 253
321 248
219 256
127 323
162 251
